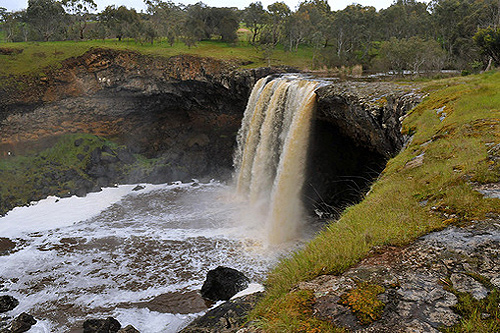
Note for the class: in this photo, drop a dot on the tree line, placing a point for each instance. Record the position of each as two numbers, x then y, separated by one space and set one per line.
408 35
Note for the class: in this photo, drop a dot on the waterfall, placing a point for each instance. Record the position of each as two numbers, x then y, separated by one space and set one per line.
270 159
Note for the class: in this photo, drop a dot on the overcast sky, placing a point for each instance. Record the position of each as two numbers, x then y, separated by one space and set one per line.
139 4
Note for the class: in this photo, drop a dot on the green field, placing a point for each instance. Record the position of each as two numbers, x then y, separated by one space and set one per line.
36 56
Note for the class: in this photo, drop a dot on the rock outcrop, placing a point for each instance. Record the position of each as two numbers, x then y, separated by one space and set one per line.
417 285
369 112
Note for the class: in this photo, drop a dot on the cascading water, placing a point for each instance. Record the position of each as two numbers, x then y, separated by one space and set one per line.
271 155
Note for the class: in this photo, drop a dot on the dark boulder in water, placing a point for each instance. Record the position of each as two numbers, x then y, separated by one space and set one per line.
108 325
223 283
7 303
22 323
6 245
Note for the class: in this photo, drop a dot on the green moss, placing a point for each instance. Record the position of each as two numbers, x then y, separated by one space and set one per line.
478 316
364 303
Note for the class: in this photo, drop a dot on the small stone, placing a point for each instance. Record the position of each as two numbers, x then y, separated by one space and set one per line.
138 188
108 325
22 323
7 303
78 142
495 282
485 315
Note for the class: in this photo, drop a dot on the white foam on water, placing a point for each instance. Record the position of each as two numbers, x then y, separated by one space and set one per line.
147 321
90 257
251 289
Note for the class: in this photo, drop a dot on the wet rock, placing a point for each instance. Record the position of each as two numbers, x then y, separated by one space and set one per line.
22 323
467 284
228 317
7 303
222 283
108 325
128 329
125 156
176 302
138 188
6 245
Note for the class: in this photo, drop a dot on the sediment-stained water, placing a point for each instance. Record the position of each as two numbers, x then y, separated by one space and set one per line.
112 252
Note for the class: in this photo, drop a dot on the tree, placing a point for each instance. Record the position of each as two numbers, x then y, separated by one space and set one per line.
488 41
166 18
120 22
11 23
255 18
278 14
46 17
412 54
80 10
405 19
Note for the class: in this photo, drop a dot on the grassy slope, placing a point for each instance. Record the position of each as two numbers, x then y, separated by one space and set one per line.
36 56
405 202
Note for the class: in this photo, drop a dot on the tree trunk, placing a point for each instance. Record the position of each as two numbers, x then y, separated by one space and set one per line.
490 64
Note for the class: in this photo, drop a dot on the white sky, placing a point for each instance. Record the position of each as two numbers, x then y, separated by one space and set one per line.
139 4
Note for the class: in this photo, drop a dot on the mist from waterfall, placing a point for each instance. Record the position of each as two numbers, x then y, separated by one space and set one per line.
270 159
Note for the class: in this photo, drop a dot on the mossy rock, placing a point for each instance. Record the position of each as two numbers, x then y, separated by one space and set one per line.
364 303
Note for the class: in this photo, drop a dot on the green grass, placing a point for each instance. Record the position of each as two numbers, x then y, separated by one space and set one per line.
407 202
478 316
39 55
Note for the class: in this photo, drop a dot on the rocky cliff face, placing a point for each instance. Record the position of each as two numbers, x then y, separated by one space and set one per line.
185 112
184 108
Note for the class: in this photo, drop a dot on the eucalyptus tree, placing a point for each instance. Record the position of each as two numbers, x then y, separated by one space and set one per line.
166 18
12 24
353 31
413 54
46 18
119 22
255 18
80 11
279 12
405 19
488 41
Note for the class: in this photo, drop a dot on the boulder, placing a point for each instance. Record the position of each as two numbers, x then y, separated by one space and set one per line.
22 323
6 245
108 325
223 283
7 303
229 317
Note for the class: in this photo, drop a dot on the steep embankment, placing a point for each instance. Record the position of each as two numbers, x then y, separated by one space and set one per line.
448 175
